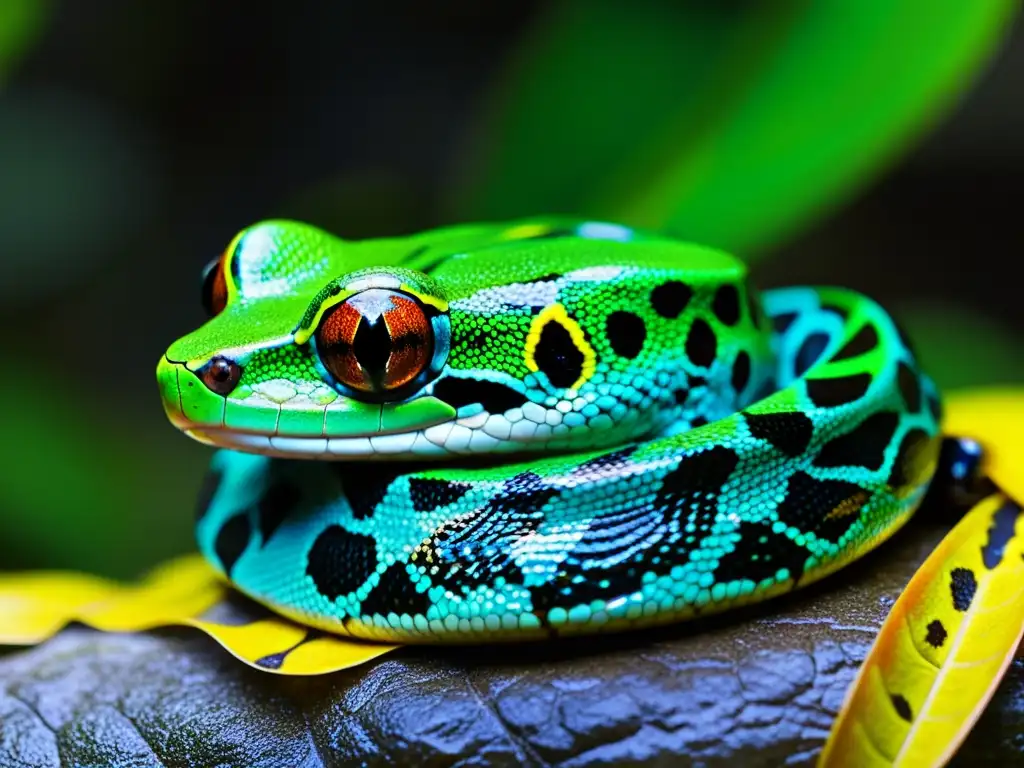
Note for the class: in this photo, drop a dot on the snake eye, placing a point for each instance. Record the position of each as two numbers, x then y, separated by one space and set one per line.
220 375
215 288
376 341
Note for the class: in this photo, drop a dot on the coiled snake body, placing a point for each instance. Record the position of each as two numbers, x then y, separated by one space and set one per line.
571 427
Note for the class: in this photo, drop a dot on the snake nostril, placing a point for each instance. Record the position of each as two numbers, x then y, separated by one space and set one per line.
220 375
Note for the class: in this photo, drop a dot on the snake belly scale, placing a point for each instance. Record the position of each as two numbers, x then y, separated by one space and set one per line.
544 427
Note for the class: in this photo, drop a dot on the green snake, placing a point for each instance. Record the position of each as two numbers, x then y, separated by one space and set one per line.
539 428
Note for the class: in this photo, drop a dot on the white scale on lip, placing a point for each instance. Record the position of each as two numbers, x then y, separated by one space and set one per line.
481 432
300 445
396 443
350 446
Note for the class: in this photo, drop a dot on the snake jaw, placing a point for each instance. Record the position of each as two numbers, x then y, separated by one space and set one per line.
403 445
343 429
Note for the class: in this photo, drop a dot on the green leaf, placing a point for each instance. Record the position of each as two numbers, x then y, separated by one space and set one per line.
961 347
757 688
732 124
105 489
21 21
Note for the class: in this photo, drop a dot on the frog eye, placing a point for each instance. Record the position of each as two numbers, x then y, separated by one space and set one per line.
376 342
215 287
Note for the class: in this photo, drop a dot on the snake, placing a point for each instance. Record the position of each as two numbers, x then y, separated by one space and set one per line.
537 428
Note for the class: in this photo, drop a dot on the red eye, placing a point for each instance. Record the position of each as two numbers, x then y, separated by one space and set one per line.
375 341
215 288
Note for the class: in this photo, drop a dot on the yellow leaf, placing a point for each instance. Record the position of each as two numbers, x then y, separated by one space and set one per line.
993 416
942 650
183 592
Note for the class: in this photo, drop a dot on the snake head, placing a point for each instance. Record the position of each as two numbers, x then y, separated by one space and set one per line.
543 335
296 359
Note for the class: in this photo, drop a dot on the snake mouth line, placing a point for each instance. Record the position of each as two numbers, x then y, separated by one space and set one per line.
376 446
366 432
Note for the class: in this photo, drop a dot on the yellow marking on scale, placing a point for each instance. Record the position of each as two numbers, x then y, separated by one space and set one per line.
556 313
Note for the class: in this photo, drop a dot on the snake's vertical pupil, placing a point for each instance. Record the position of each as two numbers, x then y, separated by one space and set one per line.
376 341
372 344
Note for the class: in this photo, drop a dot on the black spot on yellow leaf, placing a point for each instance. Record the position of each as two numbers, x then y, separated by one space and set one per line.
962 585
1004 522
902 707
936 635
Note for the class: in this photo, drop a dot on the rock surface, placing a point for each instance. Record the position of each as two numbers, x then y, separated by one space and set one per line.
756 688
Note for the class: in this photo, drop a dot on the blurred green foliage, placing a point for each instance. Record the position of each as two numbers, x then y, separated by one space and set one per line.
91 487
731 129
735 127
961 347
21 21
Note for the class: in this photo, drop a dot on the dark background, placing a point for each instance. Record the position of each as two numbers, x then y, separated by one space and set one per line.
137 138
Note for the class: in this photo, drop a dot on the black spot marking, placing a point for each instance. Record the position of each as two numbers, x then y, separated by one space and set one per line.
962 586
275 505
826 508
341 561
701 344
1004 521
557 355
681 396
910 387
741 371
688 495
760 554
607 463
829 393
275 660
429 493
396 592
207 491
917 454
472 550
670 299
782 322
936 635
865 340
365 484
863 446
726 304
698 474
902 707
789 432
232 539
809 353
494 397
626 333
